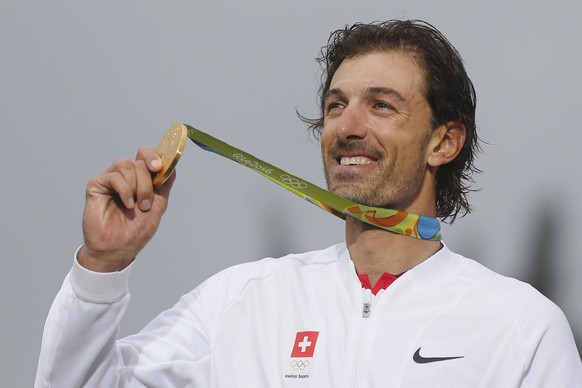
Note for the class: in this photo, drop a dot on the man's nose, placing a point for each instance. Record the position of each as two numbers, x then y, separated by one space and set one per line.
351 125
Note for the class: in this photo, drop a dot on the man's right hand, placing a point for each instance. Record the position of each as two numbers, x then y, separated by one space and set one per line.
122 212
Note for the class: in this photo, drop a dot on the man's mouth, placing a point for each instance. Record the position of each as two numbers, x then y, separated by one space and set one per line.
355 160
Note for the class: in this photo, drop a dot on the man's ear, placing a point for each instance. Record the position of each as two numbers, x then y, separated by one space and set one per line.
446 143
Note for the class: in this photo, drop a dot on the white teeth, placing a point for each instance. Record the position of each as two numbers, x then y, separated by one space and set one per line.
355 160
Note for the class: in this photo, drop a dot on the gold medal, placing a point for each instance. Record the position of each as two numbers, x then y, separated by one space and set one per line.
170 149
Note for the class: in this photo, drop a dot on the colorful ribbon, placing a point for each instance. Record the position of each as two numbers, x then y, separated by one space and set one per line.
396 221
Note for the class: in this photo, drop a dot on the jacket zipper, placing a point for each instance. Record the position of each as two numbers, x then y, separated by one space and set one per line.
367 299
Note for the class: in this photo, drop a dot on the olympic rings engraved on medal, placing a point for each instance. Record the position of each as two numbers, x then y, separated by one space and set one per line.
293 182
301 364
252 163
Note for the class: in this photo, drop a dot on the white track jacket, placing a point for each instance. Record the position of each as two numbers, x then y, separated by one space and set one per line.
304 320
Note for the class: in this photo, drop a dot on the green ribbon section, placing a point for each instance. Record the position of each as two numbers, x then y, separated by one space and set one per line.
396 221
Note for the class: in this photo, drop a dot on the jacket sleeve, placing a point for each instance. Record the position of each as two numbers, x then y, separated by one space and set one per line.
554 358
80 346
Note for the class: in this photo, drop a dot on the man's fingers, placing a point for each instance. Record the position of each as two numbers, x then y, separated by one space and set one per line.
151 158
164 190
111 182
122 178
144 188
132 180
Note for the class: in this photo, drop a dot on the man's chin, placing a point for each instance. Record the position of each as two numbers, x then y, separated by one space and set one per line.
359 198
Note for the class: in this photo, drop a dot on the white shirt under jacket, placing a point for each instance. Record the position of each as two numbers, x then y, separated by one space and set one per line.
304 320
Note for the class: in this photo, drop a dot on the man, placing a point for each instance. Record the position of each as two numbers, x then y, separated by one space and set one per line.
382 309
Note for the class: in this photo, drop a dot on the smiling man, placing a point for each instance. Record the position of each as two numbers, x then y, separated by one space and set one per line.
381 309
379 149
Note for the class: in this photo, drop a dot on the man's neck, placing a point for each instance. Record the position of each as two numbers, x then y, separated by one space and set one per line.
375 251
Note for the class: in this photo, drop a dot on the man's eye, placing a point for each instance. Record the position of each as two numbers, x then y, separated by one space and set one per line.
383 105
333 105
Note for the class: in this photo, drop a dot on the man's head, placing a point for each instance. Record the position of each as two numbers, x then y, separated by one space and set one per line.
444 84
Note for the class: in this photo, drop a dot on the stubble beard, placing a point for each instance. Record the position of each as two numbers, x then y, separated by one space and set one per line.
390 187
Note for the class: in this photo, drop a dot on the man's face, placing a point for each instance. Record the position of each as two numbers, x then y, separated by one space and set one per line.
376 131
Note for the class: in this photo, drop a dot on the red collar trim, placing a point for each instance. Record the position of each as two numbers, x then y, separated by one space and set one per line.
385 280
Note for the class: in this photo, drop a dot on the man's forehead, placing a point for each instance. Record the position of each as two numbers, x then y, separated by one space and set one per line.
392 70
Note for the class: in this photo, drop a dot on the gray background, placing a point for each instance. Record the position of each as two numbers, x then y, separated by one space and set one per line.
83 84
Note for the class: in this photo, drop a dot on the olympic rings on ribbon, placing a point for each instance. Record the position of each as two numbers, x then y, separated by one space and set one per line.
293 182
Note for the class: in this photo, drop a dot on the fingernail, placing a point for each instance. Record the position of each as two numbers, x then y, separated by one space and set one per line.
146 204
130 203
156 164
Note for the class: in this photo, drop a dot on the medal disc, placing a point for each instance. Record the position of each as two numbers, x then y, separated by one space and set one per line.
170 149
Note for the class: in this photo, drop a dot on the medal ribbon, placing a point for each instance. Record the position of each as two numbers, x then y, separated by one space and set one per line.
396 221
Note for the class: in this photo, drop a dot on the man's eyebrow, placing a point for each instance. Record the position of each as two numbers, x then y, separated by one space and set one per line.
383 90
335 92
372 90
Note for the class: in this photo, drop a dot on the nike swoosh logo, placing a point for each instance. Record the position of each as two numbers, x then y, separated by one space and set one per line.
425 360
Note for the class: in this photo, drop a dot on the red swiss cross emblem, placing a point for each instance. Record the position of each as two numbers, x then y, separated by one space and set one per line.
304 344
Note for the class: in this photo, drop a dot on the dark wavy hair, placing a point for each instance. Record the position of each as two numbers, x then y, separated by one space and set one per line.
448 90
